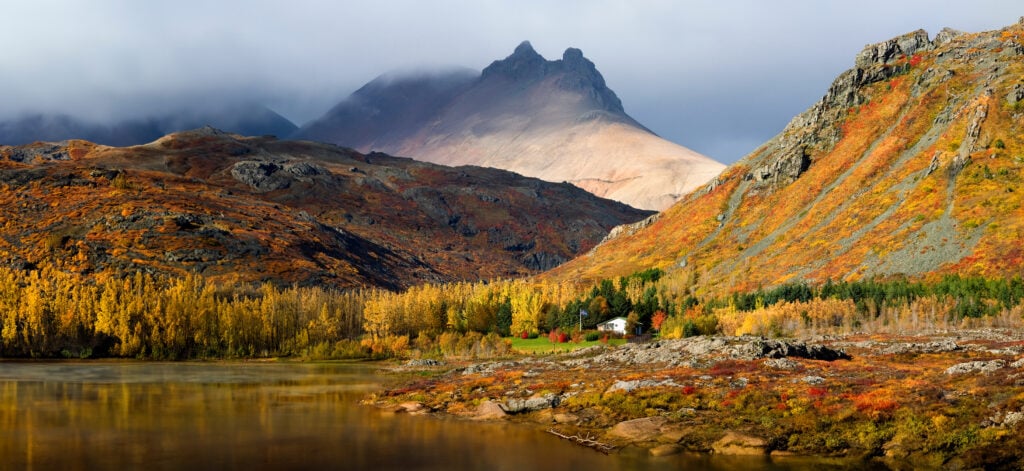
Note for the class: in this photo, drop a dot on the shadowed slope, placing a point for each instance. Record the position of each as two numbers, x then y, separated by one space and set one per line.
260 209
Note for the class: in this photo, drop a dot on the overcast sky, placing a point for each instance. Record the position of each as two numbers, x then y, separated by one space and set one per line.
717 76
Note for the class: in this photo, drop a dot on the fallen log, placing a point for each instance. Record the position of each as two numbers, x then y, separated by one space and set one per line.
588 441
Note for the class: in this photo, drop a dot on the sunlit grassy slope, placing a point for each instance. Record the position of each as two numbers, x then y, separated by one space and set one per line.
909 165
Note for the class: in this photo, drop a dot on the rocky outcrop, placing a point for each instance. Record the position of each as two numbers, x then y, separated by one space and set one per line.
970 140
734 443
638 430
764 348
946 35
1016 95
633 385
42 152
896 48
971 367
629 229
264 176
783 170
781 364
702 351
489 410
531 404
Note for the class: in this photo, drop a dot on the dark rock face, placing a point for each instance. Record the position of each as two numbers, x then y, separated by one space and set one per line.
576 73
786 169
41 152
888 51
266 176
1016 95
782 349
261 176
523 64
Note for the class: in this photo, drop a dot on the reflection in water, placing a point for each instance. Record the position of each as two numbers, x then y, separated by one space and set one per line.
253 416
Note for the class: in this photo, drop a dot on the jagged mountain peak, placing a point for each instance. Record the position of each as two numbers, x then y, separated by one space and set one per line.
523 64
555 120
524 49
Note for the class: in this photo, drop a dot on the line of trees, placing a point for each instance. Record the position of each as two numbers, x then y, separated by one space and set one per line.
971 297
50 313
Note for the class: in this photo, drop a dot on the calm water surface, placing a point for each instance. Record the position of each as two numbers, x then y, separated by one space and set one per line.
263 416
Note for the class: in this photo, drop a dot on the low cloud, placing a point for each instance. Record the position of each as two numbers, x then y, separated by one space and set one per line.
670 62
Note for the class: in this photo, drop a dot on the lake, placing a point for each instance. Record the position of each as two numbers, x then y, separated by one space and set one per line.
107 415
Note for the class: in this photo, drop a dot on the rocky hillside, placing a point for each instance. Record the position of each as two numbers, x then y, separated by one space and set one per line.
255 208
554 120
247 120
910 164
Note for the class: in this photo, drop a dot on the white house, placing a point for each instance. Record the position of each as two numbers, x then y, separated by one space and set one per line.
617 325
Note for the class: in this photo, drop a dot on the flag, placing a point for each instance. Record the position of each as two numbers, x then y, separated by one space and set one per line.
584 313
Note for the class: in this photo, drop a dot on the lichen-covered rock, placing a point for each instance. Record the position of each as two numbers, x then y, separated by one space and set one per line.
424 362
946 35
891 50
531 404
630 386
1013 418
261 176
985 367
264 176
781 364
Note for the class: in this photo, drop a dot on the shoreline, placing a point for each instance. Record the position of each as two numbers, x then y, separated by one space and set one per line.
945 399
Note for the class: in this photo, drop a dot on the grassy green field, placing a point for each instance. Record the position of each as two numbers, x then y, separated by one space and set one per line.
543 345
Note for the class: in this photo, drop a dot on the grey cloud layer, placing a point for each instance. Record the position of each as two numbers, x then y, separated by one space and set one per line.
719 77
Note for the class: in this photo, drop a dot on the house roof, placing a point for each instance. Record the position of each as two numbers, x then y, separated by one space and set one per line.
609 321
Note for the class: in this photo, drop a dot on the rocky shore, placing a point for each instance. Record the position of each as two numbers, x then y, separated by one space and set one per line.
951 400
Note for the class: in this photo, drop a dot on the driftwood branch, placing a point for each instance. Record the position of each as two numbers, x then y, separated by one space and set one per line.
587 441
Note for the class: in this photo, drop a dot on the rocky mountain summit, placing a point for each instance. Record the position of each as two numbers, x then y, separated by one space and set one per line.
910 164
555 120
259 209
574 72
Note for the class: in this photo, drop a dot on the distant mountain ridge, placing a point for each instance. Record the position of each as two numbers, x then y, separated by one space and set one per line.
554 120
243 119
911 164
